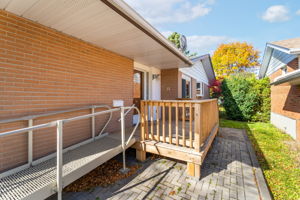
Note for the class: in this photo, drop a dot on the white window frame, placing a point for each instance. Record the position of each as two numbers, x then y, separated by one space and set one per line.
201 89
284 70
189 79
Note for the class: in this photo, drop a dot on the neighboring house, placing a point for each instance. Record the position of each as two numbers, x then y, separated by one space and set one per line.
188 82
281 65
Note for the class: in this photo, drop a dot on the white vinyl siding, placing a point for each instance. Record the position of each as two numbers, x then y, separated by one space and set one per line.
278 60
197 72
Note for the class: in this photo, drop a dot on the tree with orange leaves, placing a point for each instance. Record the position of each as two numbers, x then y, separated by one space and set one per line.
233 58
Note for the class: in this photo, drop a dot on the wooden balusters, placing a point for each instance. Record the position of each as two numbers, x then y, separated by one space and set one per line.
197 129
142 135
203 117
164 122
157 122
170 123
176 118
202 124
151 121
146 120
183 124
191 126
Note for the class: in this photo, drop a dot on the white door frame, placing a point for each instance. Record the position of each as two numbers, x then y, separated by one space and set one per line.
146 87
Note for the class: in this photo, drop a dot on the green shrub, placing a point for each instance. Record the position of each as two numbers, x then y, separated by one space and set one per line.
246 98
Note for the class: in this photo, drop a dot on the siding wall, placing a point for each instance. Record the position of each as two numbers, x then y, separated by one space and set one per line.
42 70
197 72
278 60
285 99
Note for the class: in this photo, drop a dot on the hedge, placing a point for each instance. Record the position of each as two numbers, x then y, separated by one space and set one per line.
246 98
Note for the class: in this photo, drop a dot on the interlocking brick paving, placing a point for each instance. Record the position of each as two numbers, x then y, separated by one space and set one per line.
227 173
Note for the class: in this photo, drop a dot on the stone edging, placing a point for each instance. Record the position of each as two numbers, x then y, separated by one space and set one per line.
260 179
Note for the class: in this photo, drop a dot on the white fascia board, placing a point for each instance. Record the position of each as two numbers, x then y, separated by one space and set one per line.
283 49
265 62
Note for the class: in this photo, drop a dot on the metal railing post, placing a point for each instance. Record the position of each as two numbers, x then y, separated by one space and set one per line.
93 123
30 142
124 170
59 158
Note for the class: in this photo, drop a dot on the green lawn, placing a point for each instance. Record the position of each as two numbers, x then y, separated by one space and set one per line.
276 159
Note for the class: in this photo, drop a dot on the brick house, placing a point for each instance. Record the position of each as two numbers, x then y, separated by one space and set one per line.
58 56
188 82
281 65
63 60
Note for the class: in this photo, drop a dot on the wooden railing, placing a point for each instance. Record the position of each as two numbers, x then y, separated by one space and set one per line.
179 122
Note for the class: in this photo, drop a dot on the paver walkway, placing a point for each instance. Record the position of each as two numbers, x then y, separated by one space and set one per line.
230 171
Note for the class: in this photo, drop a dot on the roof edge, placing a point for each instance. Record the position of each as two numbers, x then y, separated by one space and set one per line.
284 49
137 20
268 54
266 60
207 56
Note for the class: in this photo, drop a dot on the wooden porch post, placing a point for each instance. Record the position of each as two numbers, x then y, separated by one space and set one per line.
193 169
141 153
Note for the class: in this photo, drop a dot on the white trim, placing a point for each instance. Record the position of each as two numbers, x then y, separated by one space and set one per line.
201 89
279 48
186 77
284 49
189 79
153 89
286 75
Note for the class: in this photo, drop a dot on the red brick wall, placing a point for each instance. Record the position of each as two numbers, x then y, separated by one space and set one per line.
42 70
171 87
194 88
170 84
285 99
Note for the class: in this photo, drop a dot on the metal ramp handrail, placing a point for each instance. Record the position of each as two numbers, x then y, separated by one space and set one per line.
59 138
30 119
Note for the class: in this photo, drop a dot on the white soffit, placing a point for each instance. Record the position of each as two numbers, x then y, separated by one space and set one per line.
111 25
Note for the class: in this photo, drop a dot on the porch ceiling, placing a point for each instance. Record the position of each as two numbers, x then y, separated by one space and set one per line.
111 25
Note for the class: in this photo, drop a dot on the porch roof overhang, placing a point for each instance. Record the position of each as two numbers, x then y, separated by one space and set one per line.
292 78
108 24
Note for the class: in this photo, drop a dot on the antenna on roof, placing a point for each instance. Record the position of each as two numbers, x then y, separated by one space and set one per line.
182 43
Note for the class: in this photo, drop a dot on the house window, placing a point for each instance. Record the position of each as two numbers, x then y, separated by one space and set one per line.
200 89
284 70
186 88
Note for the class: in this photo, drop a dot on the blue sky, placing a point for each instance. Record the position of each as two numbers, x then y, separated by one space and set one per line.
208 23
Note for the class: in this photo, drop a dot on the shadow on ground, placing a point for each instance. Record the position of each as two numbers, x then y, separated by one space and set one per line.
228 172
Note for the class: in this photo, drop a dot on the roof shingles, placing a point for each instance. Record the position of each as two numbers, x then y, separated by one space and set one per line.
289 44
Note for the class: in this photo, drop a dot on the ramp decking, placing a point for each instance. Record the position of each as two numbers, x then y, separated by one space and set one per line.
39 182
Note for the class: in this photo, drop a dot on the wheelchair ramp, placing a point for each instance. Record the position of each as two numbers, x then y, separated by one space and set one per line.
39 181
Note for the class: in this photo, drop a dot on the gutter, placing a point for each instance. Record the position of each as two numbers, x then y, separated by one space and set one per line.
138 21
287 77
